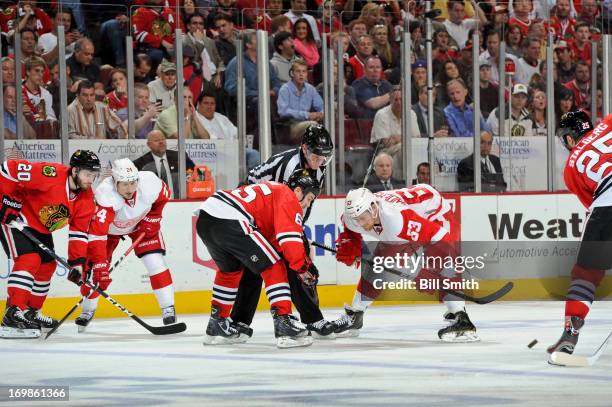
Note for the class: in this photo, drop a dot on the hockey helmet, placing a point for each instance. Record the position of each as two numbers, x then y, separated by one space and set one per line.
575 124
124 170
303 179
359 201
318 141
85 159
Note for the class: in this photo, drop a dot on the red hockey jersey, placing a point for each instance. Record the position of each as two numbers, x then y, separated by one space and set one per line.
48 202
44 24
270 206
152 27
588 171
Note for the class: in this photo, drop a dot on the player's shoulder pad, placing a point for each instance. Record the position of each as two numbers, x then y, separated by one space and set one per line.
149 185
106 195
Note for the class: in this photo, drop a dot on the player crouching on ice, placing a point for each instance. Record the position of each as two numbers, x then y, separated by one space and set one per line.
401 220
251 227
129 203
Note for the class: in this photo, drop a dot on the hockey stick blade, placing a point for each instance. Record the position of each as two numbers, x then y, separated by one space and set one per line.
63 319
565 359
505 289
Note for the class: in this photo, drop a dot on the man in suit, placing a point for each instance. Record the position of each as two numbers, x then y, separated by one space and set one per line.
382 179
490 169
162 161
423 174
441 128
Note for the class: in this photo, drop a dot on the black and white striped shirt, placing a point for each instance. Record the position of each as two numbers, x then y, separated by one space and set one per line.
279 167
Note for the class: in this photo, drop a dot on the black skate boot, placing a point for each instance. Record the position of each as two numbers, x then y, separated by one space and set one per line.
349 324
289 332
84 319
243 328
461 329
569 338
16 325
322 329
220 332
169 315
36 316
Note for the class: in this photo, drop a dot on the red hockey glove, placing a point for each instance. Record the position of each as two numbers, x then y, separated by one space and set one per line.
348 247
150 225
9 211
308 273
101 275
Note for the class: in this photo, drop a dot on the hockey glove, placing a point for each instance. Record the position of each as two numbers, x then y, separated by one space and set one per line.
348 247
9 211
307 273
101 275
150 225
76 275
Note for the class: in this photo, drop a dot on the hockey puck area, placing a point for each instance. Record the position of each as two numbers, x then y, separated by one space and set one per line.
532 343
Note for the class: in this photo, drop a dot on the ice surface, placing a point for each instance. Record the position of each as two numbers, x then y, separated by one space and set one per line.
396 361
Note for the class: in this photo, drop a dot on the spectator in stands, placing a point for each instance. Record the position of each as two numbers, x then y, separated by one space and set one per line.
387 128
564 103
580 47
228 8
351 106
153 29
448 72
284 55
226 38
205 51
112 33
193 74
489 91
529 63
589 13
389 56
500 16
566 68
492 177
163 88
457 25
459 114
581 86
81 62
88 119
297 99
188 10
143 71
465 62
328 22
520 122
274 8
219 127
444 50
561 22
371 13
29 39
10 115
304 42
371 91
521 18
117 98
54 87
12 17
420 109
492 41
145 112
162 161
365 49
8 70
416 36
514 39
382 179
167 120
47 42
423 174
279 24
297 11
357 29
537 108
37 101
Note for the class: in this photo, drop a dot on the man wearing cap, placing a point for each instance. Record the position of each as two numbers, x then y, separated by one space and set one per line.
566 68
489 91
520 122
457 25
161 90
529 63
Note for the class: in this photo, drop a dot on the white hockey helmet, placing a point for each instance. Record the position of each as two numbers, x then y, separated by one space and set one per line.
358 201
124 170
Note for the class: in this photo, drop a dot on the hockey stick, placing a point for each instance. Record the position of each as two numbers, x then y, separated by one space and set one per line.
155 330
478 300
565 359
123 256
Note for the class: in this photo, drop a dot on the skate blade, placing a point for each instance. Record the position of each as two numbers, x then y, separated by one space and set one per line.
17 333
82 328
285 342
462 337
220 340
351 333
318 336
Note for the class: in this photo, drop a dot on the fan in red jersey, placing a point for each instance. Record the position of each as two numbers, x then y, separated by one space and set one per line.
45 197
401 220
130 203
588 174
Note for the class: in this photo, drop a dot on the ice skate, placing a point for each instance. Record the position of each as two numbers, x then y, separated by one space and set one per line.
169 315
243 328
569 338
322 329
461 329
220 331
289 332
349 324
16 325
84 319
36 316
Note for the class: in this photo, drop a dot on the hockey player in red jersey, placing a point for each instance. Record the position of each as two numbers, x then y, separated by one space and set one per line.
45 197
252 227
401 220
588 174
129 203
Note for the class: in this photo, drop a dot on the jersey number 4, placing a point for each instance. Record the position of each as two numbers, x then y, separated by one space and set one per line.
588 162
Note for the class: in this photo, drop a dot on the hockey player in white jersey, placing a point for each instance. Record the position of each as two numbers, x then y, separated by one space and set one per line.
401 221
130 203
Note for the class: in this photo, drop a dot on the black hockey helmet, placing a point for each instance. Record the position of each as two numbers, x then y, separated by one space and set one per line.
303 179
318 141
85 159
575 124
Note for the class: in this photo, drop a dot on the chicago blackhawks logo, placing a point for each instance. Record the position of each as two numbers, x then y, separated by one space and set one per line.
54 217
49 171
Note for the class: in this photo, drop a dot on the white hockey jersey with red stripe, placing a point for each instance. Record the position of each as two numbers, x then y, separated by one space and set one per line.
414 214
270 206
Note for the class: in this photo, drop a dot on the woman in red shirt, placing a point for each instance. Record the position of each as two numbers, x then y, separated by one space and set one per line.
117 98
304 43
